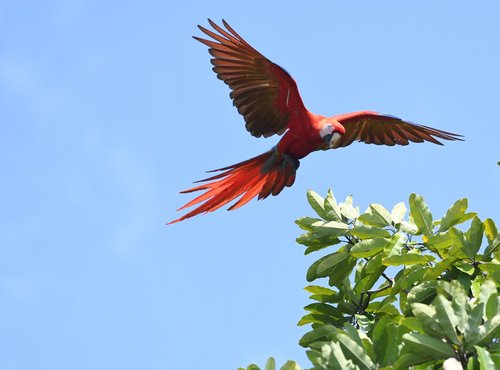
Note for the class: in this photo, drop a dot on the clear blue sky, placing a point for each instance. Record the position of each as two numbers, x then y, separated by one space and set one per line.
108 109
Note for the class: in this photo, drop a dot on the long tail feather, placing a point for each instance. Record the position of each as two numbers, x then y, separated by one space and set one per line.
260 176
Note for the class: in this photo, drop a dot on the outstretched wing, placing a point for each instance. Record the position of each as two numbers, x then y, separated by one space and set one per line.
374 128
264 93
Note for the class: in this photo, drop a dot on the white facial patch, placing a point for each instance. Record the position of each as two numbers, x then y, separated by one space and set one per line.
335 138
326 130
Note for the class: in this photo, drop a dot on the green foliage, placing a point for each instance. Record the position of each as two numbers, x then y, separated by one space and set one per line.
271 365
401 292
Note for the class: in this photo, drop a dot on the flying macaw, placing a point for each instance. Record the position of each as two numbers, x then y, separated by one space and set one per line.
268 99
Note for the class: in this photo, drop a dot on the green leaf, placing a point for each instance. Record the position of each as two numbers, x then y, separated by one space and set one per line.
395 244
421 215
440 240
317 359
312 272
468 216
323 308
490 229
440 267
332 210
332 228
473 364
336 359
485 361
411 275
317 318
496 359
328 264
373 264
493 246
346 288
454 214
398 213
348 307
410 359
367 232
428 346
476 285
353 334
323 333
316 289
464 267
451 289
385 342
355 352
492 306
488 295
407 259
368 280
326 298
342 271
372 219
316 241
422 293
428 318
408 227
489 266
412 323
252 367
370 274
270 364
290 365
460 305
471 327
379 210
385 307
317 203
459 243
446 318
494 348
368 247
495 276
486 332
474 238
306 223
488 288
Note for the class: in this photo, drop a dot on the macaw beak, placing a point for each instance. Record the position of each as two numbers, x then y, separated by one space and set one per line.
332 139
336 137
328 138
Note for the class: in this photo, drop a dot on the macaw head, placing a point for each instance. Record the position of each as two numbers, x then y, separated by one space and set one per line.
331 131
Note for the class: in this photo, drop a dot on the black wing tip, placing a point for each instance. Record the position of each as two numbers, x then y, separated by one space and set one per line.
202 29
215 25
449 135
456 137
211 22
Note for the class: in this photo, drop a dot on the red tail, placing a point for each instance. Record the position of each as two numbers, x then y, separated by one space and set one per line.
263 175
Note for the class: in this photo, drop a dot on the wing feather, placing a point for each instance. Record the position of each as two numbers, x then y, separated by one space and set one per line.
263 92
374 128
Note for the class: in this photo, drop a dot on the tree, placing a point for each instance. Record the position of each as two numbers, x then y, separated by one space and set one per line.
402 292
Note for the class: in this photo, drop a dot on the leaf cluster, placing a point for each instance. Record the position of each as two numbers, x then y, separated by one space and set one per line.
400 288
402 292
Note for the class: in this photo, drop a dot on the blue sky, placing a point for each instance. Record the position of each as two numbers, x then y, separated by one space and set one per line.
108 109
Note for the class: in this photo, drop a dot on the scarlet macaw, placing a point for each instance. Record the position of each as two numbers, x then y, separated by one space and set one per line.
268 99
